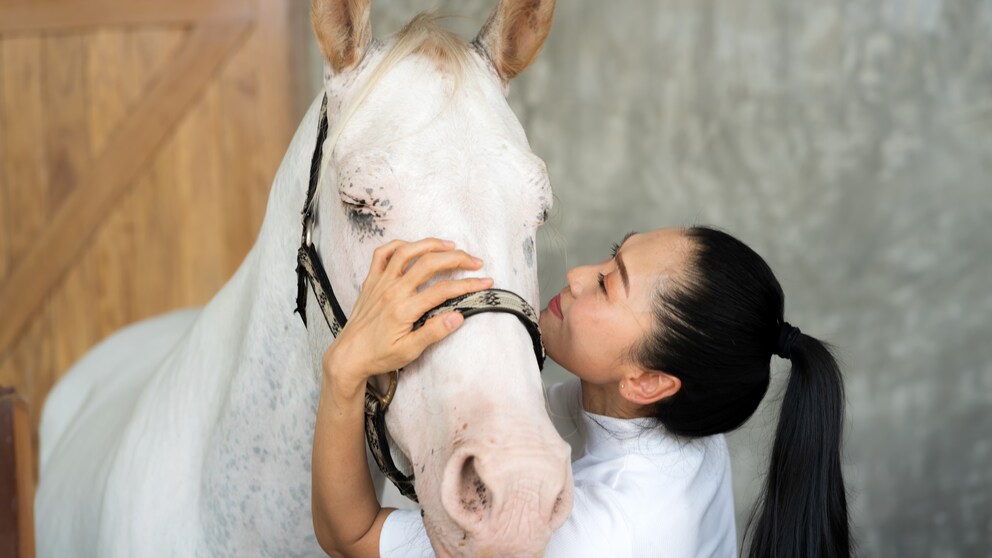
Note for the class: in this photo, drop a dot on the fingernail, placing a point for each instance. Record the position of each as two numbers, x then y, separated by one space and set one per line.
477 261
452 319
448 244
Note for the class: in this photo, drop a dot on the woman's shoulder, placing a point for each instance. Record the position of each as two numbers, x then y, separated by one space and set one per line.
680 500
564 401
646 463
681 465
653 501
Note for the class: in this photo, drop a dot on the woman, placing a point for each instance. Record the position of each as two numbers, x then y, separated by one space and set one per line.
671 339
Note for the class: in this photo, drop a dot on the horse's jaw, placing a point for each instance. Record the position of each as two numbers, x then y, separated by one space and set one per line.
492 474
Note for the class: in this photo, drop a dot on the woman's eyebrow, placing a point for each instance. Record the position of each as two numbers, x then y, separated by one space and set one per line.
623 274
622 267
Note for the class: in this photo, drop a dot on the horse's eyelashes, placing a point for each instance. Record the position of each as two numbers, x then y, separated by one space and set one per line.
362 206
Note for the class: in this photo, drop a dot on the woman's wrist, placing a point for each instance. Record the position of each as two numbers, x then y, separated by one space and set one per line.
342 376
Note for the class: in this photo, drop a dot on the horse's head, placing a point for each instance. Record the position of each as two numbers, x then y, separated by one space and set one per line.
422 143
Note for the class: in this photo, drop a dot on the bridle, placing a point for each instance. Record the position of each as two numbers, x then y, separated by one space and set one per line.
309 267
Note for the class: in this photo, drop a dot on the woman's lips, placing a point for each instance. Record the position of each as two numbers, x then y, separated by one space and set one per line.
555 307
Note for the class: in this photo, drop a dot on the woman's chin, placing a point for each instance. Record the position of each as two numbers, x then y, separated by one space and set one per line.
548 321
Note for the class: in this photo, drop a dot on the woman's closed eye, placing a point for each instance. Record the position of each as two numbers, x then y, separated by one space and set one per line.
602 283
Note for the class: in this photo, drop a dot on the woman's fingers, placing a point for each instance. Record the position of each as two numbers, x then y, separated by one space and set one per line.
446 290
433 263
434 330
378 336
382 254
401 256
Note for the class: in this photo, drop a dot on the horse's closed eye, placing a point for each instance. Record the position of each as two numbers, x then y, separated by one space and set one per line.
373 207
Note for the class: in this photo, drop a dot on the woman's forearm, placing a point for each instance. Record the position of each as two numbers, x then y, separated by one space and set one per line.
346 514
378 338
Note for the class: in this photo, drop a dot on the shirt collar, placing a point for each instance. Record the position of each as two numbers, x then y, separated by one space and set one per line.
610 435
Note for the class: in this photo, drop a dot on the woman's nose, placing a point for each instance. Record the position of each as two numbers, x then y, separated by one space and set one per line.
576 279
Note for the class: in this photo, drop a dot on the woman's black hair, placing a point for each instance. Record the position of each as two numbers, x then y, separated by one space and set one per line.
717 326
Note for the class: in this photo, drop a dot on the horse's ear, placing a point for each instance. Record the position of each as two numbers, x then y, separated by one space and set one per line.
343 29
514 33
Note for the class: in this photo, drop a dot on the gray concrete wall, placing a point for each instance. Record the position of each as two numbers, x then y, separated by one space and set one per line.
849 143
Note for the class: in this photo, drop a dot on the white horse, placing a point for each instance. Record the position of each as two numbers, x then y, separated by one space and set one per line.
190 434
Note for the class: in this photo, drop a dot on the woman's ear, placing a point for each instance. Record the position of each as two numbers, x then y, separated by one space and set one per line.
645 387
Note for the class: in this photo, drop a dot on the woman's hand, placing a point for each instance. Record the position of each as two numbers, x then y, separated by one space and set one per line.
379 336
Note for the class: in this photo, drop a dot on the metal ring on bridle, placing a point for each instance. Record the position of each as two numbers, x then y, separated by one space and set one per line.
387 398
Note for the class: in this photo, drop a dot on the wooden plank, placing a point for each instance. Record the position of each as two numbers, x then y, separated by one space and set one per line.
65 97
24 154
47 16
28 364
28 367
24 457
150 215
110 173
109 98
284 33
5 213
238 191
93 297
96 296
16 478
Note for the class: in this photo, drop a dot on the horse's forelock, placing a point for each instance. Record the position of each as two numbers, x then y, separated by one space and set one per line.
424 35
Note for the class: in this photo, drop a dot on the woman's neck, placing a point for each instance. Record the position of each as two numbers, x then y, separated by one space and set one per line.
606 400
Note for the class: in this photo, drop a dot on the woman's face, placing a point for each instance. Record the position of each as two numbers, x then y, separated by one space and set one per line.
591 325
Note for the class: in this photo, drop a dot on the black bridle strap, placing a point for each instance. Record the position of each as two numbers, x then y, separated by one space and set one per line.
307 256
376 438
493 300
310 269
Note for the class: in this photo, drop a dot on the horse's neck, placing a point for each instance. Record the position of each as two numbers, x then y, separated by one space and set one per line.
268 377
250 322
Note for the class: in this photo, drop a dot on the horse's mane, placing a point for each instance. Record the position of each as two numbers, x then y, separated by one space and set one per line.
424 35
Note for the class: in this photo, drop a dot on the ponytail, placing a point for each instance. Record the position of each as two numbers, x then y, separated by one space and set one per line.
717 325
803 509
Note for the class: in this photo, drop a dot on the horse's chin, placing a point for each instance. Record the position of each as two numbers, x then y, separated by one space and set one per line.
450 541
438 536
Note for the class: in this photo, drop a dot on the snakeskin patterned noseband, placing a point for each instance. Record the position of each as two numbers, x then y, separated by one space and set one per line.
309 267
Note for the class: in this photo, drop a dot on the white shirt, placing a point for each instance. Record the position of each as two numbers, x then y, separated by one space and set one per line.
639 492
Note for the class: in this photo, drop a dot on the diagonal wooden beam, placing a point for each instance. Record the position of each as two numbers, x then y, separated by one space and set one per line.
113 171
46 16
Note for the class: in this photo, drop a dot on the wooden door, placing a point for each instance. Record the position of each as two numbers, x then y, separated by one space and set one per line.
138 142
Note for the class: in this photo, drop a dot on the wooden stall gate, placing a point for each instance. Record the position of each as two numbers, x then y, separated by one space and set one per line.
138 142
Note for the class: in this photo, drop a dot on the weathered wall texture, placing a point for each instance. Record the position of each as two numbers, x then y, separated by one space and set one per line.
850 143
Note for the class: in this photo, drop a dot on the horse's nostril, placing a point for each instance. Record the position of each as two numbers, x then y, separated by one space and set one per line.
473 495
488 493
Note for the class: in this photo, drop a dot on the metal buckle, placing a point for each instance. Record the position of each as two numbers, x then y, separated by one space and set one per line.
384 400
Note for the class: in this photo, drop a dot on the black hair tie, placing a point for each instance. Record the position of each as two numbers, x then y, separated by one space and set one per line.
787 335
